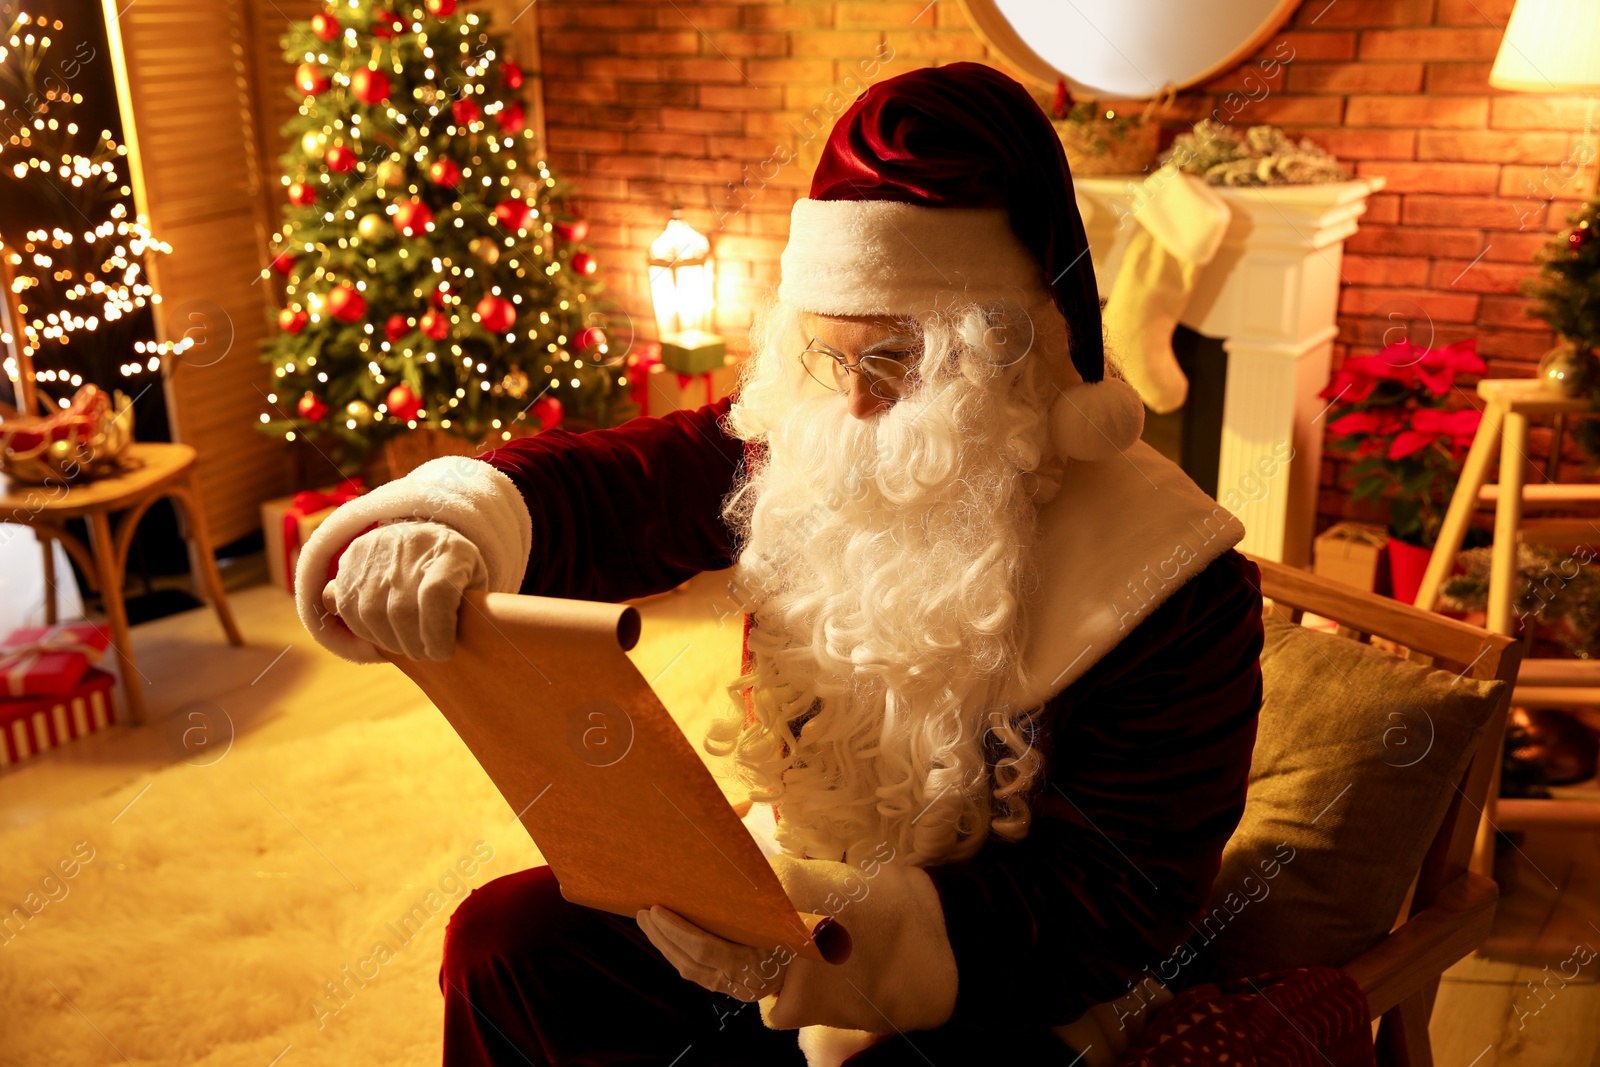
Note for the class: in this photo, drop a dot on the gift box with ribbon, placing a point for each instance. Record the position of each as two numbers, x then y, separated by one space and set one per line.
658 390
49 660
33 725
288 521
1350 552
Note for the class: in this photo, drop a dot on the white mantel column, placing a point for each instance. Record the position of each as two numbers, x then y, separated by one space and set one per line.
1271 295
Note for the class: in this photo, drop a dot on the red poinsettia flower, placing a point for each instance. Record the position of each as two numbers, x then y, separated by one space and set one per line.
1438 367
1455 428
1407 363
1063 101
1379 422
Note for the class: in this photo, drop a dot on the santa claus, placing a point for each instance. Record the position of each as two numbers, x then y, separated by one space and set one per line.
1000 679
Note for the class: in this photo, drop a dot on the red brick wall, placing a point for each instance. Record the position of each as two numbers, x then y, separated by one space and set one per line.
724 105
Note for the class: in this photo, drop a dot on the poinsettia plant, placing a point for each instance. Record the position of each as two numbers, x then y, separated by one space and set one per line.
1394 410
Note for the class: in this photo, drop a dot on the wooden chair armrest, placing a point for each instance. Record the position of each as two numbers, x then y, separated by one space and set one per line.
1421 948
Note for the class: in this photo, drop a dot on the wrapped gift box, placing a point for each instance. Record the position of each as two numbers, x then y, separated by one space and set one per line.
44 661
33 725
1350 552
659 390
287 523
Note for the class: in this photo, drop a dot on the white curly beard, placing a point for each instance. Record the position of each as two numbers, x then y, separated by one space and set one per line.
885 561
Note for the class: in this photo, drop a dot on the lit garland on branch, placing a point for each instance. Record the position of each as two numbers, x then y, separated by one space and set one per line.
66 283
430 275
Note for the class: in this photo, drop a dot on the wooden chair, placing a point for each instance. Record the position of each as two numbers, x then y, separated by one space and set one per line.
1451 906
154 470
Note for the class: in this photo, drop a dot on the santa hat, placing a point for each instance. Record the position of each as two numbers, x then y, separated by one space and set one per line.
949 183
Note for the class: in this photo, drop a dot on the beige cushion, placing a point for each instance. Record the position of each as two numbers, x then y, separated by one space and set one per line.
1357 756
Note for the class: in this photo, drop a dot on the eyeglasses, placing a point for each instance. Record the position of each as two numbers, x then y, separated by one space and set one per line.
889 375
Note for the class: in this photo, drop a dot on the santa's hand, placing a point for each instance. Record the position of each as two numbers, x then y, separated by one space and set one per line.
400 587
467 497
901 972
713 962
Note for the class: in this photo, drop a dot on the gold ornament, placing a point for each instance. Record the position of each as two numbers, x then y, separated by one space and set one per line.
427 94
515 383
314 144
1568 369
391 174
485 249
358 412
371 226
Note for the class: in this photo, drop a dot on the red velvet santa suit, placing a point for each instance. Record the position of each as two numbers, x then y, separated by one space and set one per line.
1143 634
1155 624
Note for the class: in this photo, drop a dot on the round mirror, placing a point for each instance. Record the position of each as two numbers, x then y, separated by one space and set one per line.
1125 49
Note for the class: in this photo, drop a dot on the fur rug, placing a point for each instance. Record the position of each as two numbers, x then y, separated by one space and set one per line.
233 913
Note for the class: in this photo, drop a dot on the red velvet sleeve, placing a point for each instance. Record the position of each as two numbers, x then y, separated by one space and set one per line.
626 511
1149 756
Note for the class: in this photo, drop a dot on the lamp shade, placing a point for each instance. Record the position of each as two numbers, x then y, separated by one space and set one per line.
1550 46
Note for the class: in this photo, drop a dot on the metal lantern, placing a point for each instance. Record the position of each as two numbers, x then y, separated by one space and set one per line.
681 287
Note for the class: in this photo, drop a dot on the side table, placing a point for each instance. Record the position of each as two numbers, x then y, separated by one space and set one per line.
154 470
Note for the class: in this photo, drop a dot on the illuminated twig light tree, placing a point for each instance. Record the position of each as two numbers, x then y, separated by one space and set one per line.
63 282
431 275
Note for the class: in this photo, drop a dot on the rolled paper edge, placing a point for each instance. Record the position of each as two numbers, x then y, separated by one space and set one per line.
829 935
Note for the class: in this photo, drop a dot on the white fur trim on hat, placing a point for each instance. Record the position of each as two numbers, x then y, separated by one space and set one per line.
1096 420
476 500
878 257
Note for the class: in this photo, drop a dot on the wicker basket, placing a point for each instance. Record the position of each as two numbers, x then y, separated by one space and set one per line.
1105 146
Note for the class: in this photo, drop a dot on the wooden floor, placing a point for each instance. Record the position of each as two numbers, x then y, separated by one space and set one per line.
1531 998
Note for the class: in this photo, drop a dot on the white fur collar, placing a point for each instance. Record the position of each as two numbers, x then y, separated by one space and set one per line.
1119 537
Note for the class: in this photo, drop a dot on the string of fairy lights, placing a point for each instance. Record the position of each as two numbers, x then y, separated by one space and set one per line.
346 152
41 262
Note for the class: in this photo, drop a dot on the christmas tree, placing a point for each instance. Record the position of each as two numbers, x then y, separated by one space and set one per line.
66 283
433 275
1567 289
1568 284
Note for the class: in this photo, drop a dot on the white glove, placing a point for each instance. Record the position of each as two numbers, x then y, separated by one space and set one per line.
467 495
901 973
400 587
712 962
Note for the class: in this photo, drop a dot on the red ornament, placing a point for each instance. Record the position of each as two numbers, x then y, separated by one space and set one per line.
547 409
325 26
301 194
310 79
311 407
496 313
589 337
370 86
466 112
576 230
412 217
435 324
346 304
340 159
510 75
445 172
283 263
386 24
292 320
440 296
512 118
1580 237
514 214
403 404
441 9
396 328
584 263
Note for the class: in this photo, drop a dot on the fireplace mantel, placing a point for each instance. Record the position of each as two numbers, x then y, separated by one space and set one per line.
1271 295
